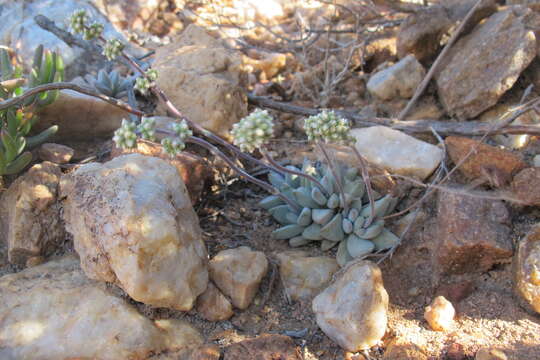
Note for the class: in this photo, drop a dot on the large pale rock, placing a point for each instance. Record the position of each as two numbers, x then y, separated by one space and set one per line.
203 79
421 32
352 311
80 117
30 221
238 273
213 305
440 314
492 164
398 81
304 277
397 152
53 311
472 234
133 224
527 270
483 65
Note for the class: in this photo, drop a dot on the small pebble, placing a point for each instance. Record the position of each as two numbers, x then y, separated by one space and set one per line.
414 291
440 314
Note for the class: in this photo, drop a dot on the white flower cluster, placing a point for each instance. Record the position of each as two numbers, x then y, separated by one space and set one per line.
78 21
253 131
147 128
173 146
93 31
327 126
112 49
145 82
125 136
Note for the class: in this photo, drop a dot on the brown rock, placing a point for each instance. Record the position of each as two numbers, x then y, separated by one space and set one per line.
457 291
263 347
212 305
30 214
526 268
379 51
490 354
526 186
55 153
402 350
204 79
458 9
420 34
205 352
497 166
192 168
238 273
455 351
472 234
484 64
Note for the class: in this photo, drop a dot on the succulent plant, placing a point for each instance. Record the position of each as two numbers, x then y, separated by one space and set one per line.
112 49
253 131
323 217
112 84
144 83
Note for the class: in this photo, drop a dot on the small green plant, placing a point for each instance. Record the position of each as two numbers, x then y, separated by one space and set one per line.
17 121
112 84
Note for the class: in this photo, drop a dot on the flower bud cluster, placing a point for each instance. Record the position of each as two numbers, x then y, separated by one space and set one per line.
327 126
253 131
125 136
173 146
144 83
147 128
112 49
78 21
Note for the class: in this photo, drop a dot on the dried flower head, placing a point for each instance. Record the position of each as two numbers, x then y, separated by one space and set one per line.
125 136
327 126
253 131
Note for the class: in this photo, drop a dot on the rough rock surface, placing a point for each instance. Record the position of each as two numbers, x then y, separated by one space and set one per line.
352 311
526 186
527 270
264 347
55 153
238 273
472 234
133 225
398 349
304 277
212 305
396 151
30 214
203 79
440 314
54 311
490 354
421 32
192 168
397 81
484 64
496 166
82 117
458 9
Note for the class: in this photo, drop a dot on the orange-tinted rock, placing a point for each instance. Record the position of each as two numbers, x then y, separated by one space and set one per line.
527 270
205 352
403 350
472 234
212 305
497 166
263 347
526 186
192 168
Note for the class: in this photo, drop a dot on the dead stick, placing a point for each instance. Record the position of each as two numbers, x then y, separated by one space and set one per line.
420 89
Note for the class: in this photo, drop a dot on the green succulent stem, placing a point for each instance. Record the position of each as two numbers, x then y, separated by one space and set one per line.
334 174
283 169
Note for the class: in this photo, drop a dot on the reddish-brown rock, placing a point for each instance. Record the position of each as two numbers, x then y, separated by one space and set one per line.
264 347
55 153
526 186
212 305
526 268
192 168
472 234
497 166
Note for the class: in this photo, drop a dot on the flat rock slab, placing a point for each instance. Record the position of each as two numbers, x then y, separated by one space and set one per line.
53 311
397 152
484 64
472 234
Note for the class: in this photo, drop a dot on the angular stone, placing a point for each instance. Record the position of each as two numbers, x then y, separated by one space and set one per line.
263 347
490 354
421 32
398 81
440 314
82 117
526 266
526 186
55 153
458 9
497 166
192 168
30 214
133 224
352 311
53 311
203 79
238 273
397 152
304 277
399 349
212 305
484 64
472 234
